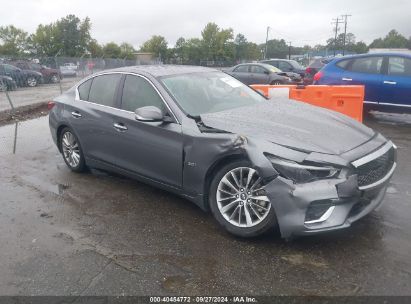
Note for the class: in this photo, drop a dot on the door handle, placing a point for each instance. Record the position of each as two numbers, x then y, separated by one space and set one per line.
390 82
120 127
75 114
347 79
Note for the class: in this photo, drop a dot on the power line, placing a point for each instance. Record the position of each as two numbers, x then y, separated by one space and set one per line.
266 40
345 30
336 21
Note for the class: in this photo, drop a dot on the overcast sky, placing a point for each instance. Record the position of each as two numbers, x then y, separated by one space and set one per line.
301 22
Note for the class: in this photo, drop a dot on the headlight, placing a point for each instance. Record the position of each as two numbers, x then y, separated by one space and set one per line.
299 173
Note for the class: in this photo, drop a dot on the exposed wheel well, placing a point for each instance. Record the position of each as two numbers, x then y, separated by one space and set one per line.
214 169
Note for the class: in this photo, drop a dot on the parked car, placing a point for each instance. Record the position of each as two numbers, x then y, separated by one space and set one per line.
286 65
314 67
257 73
68 71
386 77
206 136
70 66
21 77
7 83
49 75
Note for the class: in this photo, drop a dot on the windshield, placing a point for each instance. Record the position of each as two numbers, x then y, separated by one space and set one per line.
201 93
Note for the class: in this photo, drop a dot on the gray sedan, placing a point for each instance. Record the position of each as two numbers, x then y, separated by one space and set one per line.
258 73
255 163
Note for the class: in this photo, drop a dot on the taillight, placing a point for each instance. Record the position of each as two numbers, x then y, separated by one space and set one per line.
308 70
318 76
50 105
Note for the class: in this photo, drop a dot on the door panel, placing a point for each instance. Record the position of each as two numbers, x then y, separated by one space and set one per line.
151 149
397 81
242 73
258 75
366 71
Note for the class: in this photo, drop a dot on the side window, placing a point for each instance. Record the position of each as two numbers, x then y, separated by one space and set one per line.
284 66
137 93
103 89
370 65
242 69
399 66
84 89
257 69
343 64
9 68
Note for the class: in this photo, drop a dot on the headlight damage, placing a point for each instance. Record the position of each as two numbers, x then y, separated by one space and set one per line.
301 173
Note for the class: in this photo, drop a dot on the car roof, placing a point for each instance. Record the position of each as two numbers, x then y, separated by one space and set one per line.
277 59
373 54
163 70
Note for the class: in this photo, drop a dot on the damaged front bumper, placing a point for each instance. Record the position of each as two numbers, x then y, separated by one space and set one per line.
325 205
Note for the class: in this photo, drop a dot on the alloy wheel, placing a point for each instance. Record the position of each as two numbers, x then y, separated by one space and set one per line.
31 82
71 149
241 198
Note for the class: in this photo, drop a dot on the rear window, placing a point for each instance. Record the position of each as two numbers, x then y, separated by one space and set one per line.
242 69
103 89
369 65
343 64
84 89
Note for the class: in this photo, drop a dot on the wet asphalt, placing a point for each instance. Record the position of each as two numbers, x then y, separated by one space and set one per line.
63 233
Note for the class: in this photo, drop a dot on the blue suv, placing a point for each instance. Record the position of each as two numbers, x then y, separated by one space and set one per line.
386 77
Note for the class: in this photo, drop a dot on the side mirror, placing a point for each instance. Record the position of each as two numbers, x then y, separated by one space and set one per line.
266 72
149 113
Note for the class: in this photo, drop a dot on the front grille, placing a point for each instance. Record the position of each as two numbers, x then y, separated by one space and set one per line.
376 169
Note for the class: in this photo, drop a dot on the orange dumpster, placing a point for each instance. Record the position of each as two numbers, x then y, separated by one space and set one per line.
347 100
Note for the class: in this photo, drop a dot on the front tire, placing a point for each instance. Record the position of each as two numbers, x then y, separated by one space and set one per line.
71 150
31 81
238 201
54 79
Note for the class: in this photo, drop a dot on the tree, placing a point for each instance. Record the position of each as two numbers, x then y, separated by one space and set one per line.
179 49
392 40
95 49
276 48
241 46
156 45
14 40
127 51
112 50
217 44
68 36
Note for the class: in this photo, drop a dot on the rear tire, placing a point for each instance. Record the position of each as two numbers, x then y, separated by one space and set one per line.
71 150
241 215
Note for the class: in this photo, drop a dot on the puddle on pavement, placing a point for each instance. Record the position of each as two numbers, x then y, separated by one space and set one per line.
391 118
25 137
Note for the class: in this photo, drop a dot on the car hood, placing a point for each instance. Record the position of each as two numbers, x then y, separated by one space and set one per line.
293 124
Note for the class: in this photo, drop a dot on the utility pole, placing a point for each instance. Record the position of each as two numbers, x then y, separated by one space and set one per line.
266 40
345 30
289 50
336 22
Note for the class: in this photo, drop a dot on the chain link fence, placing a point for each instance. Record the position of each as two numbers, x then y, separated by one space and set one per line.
30 81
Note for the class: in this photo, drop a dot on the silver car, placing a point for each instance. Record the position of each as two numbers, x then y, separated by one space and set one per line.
198 132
